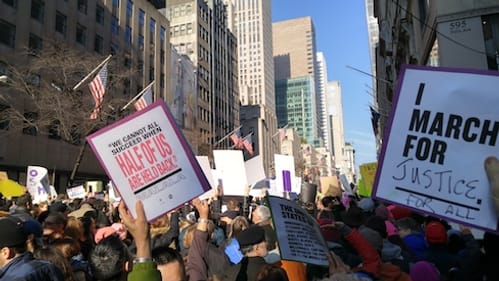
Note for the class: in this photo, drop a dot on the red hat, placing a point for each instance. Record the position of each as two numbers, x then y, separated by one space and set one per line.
435 233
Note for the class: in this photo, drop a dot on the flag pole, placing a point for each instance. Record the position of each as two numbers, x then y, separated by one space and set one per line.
137 96
92 73
226 136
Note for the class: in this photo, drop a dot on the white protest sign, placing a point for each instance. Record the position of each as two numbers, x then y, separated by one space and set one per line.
147 158
230 167
299 235
38 183
254 170
204 163
76 192
345 184
444 125
284 163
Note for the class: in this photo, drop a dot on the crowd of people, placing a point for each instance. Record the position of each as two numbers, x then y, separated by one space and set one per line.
234 239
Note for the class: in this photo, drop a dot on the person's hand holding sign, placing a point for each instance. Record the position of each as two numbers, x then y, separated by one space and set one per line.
492 170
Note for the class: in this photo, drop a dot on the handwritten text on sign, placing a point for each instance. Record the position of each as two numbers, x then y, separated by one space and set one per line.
444 125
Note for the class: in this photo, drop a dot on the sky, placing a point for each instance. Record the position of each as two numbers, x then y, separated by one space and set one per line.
341 35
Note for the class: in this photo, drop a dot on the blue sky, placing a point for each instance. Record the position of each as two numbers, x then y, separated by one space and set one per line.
341 34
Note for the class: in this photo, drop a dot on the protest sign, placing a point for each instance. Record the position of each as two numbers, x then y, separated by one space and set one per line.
330 186
204 163
367 172
299 235
76 192
443 125
231 169
147 158
284 163
254 170
345 184
37 183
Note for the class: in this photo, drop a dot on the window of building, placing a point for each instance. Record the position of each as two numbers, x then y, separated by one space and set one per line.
54 130
129 12
82 6
81 34
98 44
128 35
37 10
189 28
115 26
99 14
140 42
12 3
127 61
151 73
116 6
7 33
35 42
152 30
29 128
60 22
142 16
162 34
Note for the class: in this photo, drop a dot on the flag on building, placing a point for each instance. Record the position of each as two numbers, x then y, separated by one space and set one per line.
98 89
247 143
236 139
145 99
374 120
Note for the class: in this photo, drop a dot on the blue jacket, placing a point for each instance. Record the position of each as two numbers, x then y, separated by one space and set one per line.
417 244
26 267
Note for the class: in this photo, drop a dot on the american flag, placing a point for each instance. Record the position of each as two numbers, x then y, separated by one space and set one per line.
144 100
98 89
248 143
236 139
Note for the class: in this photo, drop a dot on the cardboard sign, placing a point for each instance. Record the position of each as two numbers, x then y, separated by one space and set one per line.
443 125
76 192
330 186
147 158
299 235
367 172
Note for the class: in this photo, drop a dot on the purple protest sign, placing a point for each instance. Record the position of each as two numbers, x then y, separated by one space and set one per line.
286 180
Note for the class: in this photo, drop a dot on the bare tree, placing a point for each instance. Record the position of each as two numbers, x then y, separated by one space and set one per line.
38 95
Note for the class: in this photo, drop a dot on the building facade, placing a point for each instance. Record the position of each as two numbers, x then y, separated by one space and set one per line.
322 100
251 23
134 31
199 29
437 33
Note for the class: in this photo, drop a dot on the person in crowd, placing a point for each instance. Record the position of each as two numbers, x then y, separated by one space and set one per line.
53 227
271 272
70 248
53 255
170 263
233 210
165 230
262 217
326 210
22 208
412 235
16 263
253 247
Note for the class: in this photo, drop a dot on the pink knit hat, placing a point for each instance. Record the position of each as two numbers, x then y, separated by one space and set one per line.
391 230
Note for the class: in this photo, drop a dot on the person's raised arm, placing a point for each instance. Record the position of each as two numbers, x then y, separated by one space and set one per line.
144 268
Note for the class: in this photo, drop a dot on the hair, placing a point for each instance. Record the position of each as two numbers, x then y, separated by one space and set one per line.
74 229
56 257
107 260
164 255
327 201
237 225
408 223
247 249
271 272
160 226
69 247
263 212
189 236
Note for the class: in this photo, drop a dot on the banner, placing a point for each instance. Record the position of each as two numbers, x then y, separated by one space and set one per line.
299 235
147 158
443 126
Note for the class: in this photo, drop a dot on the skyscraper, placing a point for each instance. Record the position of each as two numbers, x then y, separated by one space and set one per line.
295 60
251 22
335 116
322 100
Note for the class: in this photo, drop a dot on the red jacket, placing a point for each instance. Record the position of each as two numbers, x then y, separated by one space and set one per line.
370 258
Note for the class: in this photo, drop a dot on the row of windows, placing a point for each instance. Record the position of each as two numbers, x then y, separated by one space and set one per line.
180 10
182 29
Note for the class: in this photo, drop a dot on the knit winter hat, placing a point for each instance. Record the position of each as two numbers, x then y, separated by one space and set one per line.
435 233
424 271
